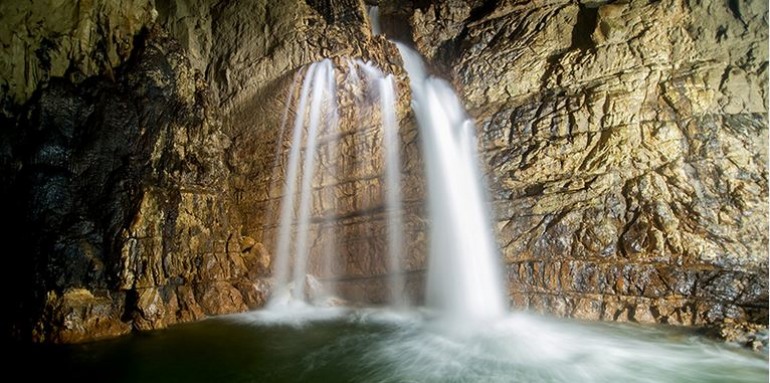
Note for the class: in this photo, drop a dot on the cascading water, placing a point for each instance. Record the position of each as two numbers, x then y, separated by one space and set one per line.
319 79
463 276
385 88
393 204
463 281
317 106
368 345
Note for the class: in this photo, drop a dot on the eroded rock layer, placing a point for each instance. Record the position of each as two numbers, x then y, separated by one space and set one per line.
139 182
117 192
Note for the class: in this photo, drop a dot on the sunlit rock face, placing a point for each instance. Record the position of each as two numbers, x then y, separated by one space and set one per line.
626 145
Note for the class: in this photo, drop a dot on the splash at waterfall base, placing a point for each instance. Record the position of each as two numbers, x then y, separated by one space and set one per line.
368 345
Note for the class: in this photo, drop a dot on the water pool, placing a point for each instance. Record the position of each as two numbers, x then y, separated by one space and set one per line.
383 346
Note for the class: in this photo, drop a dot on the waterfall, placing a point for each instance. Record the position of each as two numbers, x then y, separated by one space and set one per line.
393 205
320 79
463 276
317 107
374 20
384 87
464 280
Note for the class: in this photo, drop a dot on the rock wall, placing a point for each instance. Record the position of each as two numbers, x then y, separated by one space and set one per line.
116 196
52 38
140 154
349 216
626 144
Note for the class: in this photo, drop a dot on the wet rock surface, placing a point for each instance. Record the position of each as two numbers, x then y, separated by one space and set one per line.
626 144
750 335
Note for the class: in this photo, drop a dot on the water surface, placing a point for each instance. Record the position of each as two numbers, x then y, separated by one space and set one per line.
382 346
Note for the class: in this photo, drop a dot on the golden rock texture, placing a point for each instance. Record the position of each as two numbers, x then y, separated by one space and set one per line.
626 144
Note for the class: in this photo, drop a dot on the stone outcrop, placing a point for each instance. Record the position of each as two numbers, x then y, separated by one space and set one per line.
117 194
626 144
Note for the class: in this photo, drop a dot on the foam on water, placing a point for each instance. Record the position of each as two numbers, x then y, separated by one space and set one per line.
398 346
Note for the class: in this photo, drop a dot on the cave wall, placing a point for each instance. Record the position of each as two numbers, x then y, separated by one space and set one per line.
140 155
51 38
626 146
115 189
138 143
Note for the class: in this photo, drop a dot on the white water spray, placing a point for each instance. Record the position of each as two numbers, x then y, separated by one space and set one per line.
384 87
319 79
317 112
393 205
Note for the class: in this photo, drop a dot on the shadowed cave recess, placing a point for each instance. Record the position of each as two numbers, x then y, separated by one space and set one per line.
144 150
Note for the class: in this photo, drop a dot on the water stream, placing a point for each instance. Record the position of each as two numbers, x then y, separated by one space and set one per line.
464 281
322 109
463 275
294 285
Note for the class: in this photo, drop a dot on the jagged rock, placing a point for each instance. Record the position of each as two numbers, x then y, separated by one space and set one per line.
626 144
147 178
251 79
77 315
750 335
120 190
